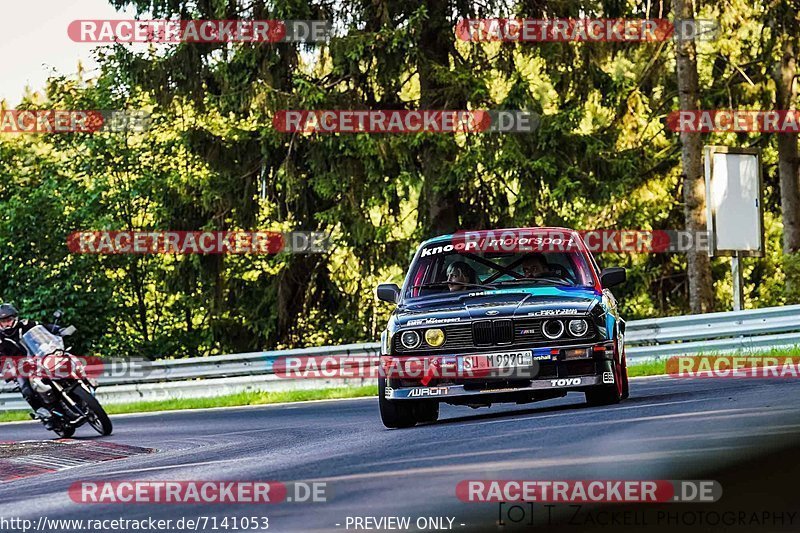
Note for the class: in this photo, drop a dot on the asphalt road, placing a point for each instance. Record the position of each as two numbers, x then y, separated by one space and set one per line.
668 429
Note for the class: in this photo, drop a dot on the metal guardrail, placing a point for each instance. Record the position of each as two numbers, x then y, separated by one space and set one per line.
752 330
646 340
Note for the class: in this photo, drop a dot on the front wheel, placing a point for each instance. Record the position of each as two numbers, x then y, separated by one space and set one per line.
626 389
427 411
405 413
395 414
95 413
610 394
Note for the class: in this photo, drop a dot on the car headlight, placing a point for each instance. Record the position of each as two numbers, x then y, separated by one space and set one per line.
578 328
553 329
434 337
410 339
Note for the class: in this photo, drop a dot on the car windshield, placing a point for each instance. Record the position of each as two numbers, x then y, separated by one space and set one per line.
437 271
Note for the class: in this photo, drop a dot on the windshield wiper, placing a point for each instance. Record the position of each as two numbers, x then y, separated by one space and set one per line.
557 281
445 283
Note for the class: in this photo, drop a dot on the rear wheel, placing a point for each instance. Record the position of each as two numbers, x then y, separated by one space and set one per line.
95 414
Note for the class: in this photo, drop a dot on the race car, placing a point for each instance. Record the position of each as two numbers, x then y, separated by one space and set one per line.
514 315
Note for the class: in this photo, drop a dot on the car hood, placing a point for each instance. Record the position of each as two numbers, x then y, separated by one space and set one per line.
499 303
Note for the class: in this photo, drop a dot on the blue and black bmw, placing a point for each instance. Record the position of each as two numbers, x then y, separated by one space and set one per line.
515 315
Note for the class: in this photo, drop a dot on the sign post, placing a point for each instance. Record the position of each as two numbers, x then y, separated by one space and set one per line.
734 208
736 275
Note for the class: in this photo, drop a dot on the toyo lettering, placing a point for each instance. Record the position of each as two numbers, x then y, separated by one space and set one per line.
567 382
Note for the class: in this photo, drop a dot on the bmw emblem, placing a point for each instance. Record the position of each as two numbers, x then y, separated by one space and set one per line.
492 312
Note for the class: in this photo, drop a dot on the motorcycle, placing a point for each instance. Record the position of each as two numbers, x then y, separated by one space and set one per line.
62 382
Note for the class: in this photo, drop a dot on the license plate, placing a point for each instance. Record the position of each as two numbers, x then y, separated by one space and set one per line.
498 360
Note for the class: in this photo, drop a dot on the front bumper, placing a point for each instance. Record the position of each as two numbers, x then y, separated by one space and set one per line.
452 391
549 378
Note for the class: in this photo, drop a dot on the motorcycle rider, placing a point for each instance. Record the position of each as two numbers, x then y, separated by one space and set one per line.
12 328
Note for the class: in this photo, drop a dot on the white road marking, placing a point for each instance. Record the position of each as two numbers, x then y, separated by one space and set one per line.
451 456
758 411
521 463
171 467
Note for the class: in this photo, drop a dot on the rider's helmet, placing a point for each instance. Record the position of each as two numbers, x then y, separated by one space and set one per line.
9 319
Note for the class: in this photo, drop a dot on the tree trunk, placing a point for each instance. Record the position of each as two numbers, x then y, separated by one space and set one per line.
440 197
293 282
785 94
701 297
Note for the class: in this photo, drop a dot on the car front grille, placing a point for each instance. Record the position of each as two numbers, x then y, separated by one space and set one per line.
482 333
501 333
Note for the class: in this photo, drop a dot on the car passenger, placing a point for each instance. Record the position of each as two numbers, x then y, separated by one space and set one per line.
534 265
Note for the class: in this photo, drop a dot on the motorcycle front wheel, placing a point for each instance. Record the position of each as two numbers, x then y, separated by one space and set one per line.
95 413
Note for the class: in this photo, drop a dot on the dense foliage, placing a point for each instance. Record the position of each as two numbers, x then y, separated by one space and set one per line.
211 159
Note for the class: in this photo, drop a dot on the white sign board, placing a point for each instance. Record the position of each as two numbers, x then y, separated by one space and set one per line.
733 201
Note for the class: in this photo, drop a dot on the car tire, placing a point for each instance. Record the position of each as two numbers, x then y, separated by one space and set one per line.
427 411
396 414
626 390
609 394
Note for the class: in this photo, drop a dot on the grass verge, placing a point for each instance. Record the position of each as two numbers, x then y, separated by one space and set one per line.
655 368
652 368
231 400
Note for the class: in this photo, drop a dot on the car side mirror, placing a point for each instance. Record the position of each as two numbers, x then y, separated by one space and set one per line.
388 292
611 277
